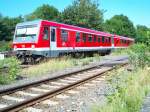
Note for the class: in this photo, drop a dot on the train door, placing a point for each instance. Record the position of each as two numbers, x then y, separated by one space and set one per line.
52 40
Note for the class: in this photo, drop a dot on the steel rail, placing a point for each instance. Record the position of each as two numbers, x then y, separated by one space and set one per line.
34 100
35 83
24 86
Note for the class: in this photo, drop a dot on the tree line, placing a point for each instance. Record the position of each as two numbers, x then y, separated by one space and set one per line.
83 13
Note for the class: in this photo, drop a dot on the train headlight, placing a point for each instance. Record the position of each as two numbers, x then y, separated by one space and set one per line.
23 46
33 46
15 47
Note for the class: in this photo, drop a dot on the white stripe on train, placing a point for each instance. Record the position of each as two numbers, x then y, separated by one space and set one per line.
66 48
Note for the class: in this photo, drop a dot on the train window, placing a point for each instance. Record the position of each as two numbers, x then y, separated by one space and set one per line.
94 38
103 39
124 41
77 37
106 39
53 35
99 40
109 39
90 38
84 37
121 41
64 35
45 36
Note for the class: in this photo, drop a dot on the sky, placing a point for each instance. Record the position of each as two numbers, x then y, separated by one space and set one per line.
138 11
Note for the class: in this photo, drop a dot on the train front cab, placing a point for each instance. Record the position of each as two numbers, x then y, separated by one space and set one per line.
32 41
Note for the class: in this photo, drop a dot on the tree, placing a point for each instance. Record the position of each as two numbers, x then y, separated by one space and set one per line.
120 25
143 34
8 27
2 30
44 12
83 13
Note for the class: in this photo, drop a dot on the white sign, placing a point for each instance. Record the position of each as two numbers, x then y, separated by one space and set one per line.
1 56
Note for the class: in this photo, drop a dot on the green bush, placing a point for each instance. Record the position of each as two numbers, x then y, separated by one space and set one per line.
5 46
9 68
139 55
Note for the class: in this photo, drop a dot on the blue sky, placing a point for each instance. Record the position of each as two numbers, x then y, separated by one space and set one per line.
138 11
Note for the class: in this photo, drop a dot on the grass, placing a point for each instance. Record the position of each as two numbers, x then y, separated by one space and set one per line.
54 65
9 74
131 88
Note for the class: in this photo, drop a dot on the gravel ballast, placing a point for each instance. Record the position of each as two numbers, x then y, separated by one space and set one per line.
50 74
86 97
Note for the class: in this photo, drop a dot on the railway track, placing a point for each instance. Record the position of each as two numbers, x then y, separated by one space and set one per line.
20 97
8 53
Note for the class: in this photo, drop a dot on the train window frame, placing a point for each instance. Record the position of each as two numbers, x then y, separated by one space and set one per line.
103 39
46 33
121 41
64 35
106 39
84 37
109 39
99 39
125 41
95 39
77 36
90 39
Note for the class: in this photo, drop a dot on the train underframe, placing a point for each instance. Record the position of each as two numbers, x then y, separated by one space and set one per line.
33 57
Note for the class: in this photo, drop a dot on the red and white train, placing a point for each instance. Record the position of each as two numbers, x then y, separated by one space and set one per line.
44 38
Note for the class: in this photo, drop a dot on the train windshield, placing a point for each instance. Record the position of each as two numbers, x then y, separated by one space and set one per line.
26 33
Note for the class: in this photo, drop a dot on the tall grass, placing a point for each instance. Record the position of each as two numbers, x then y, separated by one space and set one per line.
54 65
131 87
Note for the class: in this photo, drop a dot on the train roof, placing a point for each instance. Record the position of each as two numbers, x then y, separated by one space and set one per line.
36 22
72 27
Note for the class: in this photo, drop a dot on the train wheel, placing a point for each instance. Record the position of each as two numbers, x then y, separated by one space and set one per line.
29 60
22 60
108 52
